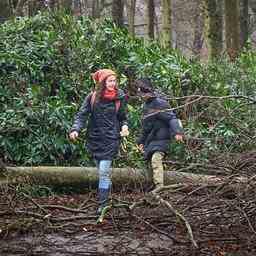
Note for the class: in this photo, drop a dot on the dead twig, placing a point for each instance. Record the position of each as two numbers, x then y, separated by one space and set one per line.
179 215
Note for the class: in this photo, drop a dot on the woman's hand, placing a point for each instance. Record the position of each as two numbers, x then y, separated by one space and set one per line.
179 137
140 147
73 135
124 131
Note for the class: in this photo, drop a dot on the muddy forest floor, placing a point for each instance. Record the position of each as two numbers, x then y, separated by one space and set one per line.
222 218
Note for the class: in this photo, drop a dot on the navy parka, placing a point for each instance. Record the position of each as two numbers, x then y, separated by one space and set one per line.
158 126
104 124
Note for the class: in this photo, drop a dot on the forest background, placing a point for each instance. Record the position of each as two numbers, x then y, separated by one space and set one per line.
200 54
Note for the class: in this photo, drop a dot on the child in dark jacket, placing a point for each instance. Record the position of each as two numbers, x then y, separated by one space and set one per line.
159 125
105 111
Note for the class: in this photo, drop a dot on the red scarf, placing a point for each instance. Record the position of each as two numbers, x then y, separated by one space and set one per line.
109 95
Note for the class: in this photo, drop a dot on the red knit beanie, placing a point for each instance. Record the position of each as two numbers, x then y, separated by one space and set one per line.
102 74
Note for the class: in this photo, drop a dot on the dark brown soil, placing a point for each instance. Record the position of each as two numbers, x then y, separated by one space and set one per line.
223 223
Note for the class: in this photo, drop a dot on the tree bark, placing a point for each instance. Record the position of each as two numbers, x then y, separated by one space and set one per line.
117 12
96 9
67 5
18 7
150 18
131 8
232 28
214 27
244 21
52 175
52 4
252 4
198 20
5 10
77 7
88 176
35 6
166 31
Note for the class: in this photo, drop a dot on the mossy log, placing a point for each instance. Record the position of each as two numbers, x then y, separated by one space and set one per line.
88 176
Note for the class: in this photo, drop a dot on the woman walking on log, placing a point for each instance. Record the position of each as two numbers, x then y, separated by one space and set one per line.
104 111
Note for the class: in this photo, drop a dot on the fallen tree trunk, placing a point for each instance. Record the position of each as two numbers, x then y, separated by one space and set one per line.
61 176
88 176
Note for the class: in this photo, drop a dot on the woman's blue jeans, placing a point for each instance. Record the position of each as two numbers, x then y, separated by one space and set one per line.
104 168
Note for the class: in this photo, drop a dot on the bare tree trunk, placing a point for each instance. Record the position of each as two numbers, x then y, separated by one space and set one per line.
53 175
52 4
67 5
244 21
5 10
252 4
117 12
77 7
214 27
96 9
199 24
166 31
131 8
232 27
18 7
35 6
150 18
84 7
